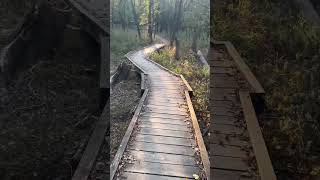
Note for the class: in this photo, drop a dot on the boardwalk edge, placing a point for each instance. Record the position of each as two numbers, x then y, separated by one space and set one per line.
116 161
202 148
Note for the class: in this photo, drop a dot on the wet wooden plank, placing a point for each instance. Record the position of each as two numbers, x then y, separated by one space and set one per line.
229 175
162 158
163 169
141 176
162 148
260 150
161 132
165 126
225 150
228 163
165 140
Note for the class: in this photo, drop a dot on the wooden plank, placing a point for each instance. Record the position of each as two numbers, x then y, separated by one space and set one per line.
190 91
223 64
163 121
197 133
244 69
262 156
228 163
161 132
164 140
227 139
163 169
162 158
226 150
165 116
125 140
173 112
142 176
89 156
182 108
222 70
165 126
227 129
162 148
229 175
228 120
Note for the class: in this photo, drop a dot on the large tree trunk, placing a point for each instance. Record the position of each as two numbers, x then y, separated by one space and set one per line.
150 20
37 36
136 20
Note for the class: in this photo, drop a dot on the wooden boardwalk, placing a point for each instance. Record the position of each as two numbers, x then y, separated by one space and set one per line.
161 142
237 148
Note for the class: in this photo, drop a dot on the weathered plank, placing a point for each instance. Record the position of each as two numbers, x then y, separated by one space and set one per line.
226 150
262 156
173 127
162 132
229 163
163 169
227 139
165 140
149 119
140 176
163 158
230 175
162 148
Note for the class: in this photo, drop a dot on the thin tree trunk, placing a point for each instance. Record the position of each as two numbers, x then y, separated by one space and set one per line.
136 20
150 20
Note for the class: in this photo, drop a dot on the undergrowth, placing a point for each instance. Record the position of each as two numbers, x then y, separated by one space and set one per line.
197 76
283 50
123 41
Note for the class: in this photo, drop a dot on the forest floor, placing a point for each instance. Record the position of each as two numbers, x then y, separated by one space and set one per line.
47 113
125 94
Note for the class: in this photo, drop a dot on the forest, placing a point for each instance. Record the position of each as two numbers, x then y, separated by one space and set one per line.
138 23
282 47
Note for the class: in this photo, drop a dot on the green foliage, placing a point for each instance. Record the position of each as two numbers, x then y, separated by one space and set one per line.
197 75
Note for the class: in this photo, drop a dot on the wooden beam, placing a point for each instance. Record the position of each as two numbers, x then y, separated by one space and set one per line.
259 147
117 159
242 66
93 147
202 148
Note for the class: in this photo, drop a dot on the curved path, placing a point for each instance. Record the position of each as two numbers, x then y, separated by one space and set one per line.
162 143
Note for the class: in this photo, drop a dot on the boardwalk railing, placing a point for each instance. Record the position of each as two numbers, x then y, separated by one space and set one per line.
229 99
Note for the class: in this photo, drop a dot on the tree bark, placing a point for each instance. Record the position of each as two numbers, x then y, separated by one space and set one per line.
136 20
150 20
